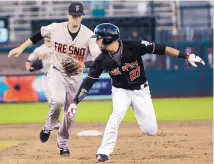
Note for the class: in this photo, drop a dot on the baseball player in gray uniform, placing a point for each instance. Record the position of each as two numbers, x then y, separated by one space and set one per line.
40 60
68 39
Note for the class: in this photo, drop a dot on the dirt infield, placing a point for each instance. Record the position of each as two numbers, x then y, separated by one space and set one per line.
184 142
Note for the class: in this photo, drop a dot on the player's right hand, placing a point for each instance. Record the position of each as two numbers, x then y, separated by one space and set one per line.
15 52
72 110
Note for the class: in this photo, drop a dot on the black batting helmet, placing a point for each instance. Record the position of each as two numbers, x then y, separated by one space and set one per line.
109 32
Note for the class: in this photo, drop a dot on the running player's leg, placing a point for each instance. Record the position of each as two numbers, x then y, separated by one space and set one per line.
47 93
72 86
56 85
144 110
121 102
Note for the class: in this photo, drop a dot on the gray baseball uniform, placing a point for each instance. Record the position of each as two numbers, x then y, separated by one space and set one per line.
44 53
64 88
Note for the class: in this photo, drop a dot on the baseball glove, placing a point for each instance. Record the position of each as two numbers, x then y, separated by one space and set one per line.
36 65
72 66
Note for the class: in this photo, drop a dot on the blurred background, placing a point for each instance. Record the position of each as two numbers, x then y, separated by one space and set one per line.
185 25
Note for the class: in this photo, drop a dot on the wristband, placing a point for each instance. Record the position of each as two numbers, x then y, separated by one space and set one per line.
184 56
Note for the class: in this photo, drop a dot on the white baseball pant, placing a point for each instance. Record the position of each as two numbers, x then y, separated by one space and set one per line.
143 109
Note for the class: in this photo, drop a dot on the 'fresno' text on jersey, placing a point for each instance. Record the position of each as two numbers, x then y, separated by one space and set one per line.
69 49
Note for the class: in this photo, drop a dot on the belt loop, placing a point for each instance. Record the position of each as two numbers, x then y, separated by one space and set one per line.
144 85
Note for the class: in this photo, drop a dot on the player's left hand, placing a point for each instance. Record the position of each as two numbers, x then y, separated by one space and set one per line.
192 58
72 110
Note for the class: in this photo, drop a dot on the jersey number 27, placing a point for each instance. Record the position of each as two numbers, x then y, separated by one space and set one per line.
134 74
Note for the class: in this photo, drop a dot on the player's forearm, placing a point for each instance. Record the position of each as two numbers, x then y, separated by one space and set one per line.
26 44
169 51
84 89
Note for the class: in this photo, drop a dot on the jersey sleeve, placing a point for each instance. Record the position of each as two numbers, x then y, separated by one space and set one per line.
93 46
95 70
46 30
34 55
144 47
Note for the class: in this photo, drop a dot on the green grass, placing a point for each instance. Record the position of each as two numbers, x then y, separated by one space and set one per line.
7 144
99 111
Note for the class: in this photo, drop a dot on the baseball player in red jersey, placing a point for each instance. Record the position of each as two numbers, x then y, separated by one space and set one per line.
72 39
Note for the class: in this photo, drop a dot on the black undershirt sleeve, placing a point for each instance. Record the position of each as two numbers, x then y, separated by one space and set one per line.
36 37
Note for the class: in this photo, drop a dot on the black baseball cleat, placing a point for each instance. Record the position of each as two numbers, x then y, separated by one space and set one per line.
44 135
64 152
102 158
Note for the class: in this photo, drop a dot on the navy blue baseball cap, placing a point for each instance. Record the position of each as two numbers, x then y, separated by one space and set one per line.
76 8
